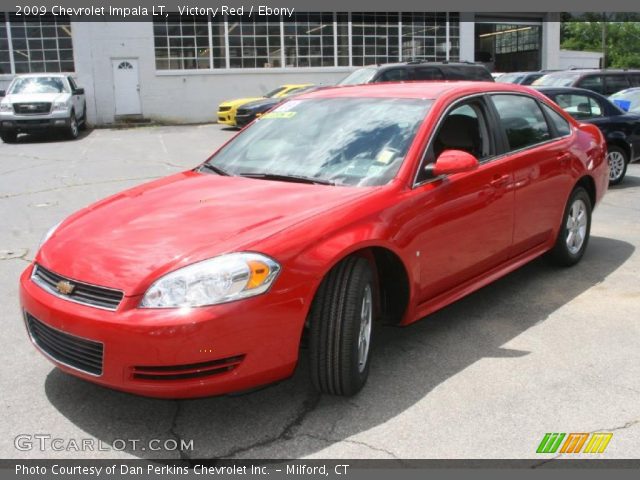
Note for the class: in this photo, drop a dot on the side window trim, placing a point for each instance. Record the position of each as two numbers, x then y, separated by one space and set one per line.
551 123
489 119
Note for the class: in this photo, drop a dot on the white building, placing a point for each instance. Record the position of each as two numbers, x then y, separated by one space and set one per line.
179 69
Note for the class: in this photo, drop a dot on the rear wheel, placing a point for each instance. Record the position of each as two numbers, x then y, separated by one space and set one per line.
9 137
341 325
573 236
617 159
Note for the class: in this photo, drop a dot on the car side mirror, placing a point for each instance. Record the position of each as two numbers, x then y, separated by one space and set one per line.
2 93
78 91
452 161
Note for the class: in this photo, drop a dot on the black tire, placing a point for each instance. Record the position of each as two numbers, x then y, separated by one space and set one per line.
9 137
335 319
83 121
566 252
617 170
73 130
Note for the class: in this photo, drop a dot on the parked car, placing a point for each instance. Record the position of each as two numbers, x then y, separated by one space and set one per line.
248 112
628 100
606 82
227 110
41 102
337 209
417 70
521 78
621 130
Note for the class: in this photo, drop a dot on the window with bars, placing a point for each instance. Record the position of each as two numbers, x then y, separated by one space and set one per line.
35 45
314 39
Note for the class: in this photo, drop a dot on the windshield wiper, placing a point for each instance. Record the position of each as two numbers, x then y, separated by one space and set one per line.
213 168
287 178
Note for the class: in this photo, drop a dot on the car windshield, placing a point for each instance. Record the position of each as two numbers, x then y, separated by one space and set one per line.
275 92
38 85
555 80
628 100
362 75
340 141
510 78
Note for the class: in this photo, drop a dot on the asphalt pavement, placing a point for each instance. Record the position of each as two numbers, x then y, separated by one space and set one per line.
541 350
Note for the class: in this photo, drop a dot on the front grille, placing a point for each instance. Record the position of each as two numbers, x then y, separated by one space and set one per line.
100 297
32 108
224 109
185 372
75 352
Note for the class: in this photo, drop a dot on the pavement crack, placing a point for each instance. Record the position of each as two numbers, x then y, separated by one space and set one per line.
287 433
176 436
331 441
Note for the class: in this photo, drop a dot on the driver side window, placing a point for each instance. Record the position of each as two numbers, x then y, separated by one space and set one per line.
463 128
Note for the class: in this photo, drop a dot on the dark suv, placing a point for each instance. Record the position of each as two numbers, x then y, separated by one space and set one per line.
419 70
605 82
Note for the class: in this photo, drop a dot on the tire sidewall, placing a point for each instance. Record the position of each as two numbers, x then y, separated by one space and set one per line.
73 134
614 148
563 250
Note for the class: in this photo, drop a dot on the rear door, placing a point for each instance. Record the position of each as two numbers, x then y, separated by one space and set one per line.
539 155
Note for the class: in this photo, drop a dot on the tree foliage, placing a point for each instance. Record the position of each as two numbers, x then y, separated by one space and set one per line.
585 33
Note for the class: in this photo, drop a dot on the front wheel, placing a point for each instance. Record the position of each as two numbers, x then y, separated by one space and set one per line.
73 130
617 159
341 325
573 236
83 121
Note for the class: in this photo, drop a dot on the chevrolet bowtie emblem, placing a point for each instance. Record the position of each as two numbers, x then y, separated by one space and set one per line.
64 287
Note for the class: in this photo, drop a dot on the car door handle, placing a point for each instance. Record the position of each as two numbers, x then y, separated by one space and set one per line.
499 182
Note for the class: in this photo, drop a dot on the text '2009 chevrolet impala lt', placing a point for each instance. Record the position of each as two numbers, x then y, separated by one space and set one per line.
337 209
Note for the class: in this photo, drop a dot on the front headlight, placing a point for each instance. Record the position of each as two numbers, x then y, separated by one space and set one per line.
48 234
60 106
6 107
209 282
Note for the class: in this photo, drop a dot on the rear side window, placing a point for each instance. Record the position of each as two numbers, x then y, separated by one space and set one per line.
427 73
393 75
580 107
594 83
615 83
522 120
562 126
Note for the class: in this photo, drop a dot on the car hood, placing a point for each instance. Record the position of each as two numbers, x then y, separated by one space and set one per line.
130 239
36 97
239 101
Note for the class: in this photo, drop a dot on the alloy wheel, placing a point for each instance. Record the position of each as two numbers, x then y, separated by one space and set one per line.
576 226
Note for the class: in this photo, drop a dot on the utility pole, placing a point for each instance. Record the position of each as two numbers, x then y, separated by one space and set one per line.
604 40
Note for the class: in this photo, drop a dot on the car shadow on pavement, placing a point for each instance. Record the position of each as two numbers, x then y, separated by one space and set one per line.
629 181
50 137
290 420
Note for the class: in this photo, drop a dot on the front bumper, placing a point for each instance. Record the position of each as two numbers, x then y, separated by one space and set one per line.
28 123
227 117
162 352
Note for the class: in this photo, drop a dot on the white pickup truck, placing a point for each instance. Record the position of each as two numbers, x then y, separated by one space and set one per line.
43 101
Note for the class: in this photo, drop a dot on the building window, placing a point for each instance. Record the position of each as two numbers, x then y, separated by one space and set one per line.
374 38
309 40
254 44
35 45
312 39
182 43
424 36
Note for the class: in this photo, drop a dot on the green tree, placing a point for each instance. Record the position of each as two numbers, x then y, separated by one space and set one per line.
585 33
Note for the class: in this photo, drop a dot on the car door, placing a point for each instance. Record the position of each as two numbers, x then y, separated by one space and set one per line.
539 156
76 99
462 224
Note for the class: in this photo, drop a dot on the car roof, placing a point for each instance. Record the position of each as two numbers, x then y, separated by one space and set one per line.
425 90
24 75
422 64
546 90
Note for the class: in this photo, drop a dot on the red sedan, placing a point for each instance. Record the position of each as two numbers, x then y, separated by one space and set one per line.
338 209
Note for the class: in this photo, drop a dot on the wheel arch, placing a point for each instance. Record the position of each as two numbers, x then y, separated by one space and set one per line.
588 183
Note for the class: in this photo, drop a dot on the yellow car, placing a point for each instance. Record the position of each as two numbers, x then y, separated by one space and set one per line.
227 110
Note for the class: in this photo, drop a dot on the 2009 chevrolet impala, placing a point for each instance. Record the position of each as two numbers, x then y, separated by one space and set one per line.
337 209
